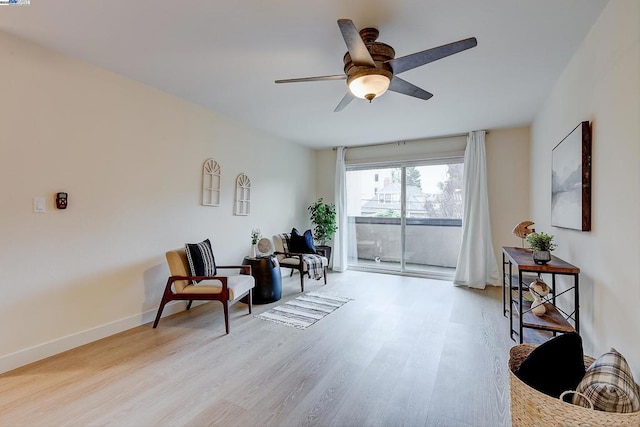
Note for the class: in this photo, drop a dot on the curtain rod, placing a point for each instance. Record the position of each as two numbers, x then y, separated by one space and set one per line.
456 135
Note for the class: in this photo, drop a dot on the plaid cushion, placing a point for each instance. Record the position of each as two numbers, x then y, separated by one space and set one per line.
609 385
285 241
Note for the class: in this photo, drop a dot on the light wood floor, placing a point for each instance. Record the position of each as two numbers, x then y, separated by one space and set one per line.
406 351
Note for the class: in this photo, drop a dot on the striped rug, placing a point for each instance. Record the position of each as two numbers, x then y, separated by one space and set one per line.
305 310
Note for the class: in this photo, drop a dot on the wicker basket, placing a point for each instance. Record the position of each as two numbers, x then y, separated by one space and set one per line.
530 407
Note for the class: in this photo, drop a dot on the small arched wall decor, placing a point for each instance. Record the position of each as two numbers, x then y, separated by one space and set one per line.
243 195
210 183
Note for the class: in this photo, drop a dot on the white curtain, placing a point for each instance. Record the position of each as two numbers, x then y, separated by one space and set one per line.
340 240
477 264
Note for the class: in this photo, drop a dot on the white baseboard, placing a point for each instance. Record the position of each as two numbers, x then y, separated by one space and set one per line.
41 351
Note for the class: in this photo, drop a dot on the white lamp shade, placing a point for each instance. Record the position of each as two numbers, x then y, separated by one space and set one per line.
370 84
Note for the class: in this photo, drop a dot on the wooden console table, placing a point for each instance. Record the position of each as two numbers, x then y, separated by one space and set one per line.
554 320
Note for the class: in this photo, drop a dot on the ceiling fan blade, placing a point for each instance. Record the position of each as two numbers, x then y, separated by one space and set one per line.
409 62
357 49
406 88
346 99
314 79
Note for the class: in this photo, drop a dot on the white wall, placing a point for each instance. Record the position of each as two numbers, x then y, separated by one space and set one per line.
130 158
326 174
508 184
601 84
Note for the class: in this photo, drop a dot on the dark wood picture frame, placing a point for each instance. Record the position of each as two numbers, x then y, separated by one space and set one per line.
571 180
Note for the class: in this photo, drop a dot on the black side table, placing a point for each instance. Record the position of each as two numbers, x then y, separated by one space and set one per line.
266 271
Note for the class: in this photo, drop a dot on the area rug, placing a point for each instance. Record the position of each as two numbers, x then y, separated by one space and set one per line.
304 310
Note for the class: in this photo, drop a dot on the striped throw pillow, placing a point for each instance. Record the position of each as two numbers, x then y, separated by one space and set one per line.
200 258
609 385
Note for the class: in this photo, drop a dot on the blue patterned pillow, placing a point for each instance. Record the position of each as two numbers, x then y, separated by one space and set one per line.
302 244
200 259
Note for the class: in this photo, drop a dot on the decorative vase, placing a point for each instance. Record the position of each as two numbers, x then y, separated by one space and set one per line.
538 290
537 307
541 257
252 254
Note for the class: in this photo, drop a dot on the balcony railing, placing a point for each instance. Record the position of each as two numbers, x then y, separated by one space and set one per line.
428 242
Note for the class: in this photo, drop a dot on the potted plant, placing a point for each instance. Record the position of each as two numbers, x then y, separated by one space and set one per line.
323 217
255 236
541 245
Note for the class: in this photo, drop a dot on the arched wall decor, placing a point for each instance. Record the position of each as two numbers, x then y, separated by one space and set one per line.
243 195
210 183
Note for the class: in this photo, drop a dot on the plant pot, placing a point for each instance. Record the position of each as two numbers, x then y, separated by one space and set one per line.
541 257
326 250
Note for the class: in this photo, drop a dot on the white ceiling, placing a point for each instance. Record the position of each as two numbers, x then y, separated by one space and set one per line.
225 55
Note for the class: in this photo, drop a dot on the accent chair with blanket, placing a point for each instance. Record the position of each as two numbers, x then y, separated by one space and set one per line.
297 252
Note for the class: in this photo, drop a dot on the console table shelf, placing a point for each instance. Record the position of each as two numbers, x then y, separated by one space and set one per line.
519 310
552 320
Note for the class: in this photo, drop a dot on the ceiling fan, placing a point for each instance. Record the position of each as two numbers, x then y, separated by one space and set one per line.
370 67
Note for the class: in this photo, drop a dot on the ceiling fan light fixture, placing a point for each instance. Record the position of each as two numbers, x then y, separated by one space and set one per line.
370 66
370 85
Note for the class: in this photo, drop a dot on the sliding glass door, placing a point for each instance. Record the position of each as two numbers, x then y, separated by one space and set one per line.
405 217
374 211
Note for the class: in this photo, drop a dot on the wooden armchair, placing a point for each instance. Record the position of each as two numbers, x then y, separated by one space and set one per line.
305 263
226 289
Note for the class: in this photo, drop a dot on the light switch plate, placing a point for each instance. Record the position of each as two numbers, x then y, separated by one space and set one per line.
39 204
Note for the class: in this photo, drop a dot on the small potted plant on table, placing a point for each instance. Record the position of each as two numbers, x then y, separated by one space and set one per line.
541 245
255 236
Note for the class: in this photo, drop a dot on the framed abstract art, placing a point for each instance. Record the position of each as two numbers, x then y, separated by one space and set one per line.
571 180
